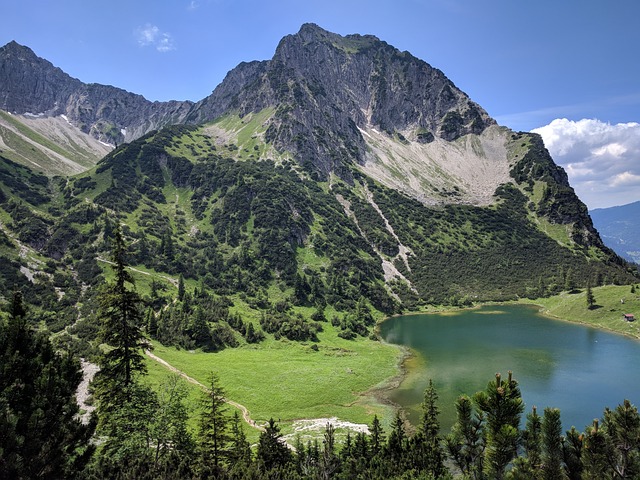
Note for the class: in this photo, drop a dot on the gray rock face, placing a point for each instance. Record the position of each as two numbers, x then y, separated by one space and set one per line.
325 87
29 84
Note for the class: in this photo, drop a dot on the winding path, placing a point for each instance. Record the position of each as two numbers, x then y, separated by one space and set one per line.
245 412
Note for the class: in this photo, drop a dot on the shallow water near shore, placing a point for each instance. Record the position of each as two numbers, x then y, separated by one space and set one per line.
578 369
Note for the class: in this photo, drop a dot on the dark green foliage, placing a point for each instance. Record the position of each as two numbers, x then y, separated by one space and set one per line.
291 326
466 442
595 453
41 435
121 326
591 299
622 427
272 453
427 443
502 406
23 183
213 434
32 229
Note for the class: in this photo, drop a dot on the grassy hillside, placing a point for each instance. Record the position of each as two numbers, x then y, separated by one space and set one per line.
196 204
48 145
611 302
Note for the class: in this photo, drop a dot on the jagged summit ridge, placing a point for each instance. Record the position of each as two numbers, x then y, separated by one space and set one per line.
326 87
30 84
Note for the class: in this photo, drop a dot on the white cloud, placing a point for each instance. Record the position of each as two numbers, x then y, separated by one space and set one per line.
602 160
626 178
150 35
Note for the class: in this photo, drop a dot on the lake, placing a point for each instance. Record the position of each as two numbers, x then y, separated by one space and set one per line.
578 369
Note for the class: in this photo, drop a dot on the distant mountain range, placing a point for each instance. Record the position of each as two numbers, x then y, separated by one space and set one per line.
620 229
342 172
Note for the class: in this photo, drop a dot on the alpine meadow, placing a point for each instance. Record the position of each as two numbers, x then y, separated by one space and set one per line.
222 268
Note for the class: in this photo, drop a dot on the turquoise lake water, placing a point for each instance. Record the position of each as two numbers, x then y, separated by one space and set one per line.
578 369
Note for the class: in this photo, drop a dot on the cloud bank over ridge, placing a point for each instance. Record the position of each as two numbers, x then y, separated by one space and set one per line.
601 159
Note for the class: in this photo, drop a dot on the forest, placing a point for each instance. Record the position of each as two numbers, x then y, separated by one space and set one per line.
239 254
137 432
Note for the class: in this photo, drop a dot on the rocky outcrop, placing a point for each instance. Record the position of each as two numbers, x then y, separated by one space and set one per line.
326 87
322 86
32 85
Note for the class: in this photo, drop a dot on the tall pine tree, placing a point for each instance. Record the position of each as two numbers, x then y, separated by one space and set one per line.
121 319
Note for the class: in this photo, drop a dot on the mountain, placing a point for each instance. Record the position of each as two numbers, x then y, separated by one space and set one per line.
620 229
342 177
328 92
31 85
49 145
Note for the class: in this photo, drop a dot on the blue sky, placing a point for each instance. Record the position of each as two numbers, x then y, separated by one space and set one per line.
526 63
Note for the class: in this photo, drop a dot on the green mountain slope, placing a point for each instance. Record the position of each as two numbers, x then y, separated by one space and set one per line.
264 233
340 181
49 145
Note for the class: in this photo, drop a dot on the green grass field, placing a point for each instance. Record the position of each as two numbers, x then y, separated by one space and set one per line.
607 313
291 381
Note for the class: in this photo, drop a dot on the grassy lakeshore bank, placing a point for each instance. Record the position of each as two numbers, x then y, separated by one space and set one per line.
611 303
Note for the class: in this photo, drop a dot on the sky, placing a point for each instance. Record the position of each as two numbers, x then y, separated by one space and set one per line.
569 69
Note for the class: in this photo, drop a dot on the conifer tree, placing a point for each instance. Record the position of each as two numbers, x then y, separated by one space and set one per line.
572 454
466 442
377 437
213 437
121 324
427 442
397 442
272 450
239 449
502 404
181 287
41 435
552 445
622 426
595 454
529 466
591 299
329 461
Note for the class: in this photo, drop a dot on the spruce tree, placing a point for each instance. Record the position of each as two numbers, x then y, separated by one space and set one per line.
121 319
213 437
273 453
41 435
329 461
427 442
397 443
239 449
591 299
377 437
181 287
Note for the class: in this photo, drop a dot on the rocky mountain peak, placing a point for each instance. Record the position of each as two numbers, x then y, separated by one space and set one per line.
325 88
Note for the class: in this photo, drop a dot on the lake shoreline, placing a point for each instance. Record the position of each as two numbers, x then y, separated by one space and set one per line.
544 310
519 354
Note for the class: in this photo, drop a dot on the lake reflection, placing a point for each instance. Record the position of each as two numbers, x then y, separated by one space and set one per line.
578 369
